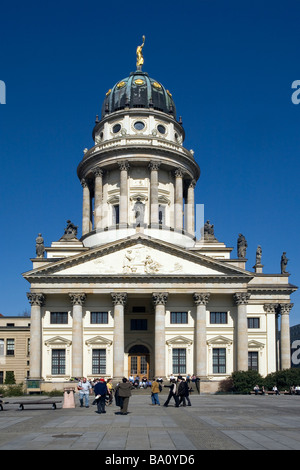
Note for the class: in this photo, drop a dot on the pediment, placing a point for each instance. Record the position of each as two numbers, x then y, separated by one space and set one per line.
179 340
58 341
98 341
138 256
219 341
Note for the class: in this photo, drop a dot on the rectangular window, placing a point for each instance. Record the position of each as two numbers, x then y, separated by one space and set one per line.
58 361
10 347
1 376
99 317
57 318
99 361
179 361
218 318
219 361
253 322
253 360
138 324
179 317
1 347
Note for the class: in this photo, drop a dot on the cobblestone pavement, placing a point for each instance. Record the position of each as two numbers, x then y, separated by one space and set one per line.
213 422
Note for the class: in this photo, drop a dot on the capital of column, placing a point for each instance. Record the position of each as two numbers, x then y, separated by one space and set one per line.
119 298
160 298
154 165
201 298
84 183
284 309
271 308
36 299
124 165
77 299
179 172
98 171
241 298
192 184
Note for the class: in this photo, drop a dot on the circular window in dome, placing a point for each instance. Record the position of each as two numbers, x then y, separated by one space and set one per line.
161 129
116 128
139 125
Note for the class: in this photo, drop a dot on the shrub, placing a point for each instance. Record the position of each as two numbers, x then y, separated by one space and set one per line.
244 381
283 379
14 390
10 377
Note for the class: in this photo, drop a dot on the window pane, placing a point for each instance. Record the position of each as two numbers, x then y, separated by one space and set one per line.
10 347
253 360
99 317
253 322
219 360
179 317
99 361
59 318
138 324
179 361
218 317
58 361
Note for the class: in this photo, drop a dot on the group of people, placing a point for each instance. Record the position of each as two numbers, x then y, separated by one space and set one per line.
104 391
293 390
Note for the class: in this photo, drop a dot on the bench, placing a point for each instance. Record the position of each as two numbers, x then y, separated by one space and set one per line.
38 402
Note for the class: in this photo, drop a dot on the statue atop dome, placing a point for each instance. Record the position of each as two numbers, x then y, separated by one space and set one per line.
139 55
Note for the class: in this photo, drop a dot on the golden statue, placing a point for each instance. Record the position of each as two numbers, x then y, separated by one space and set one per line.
139 55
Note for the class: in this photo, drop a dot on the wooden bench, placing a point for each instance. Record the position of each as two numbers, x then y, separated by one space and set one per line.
38 402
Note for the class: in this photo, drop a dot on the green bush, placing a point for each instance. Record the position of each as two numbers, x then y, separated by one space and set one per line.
10 377
245 381
283 379
14 390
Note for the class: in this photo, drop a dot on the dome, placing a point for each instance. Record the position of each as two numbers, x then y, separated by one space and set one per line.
138 91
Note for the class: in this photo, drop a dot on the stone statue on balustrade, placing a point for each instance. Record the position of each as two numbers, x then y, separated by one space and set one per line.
70 231
283 263
242 246
39 246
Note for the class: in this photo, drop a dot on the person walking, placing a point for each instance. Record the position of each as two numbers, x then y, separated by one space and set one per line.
172 393
124 392
183 393
100 391
154 392
110 391
84 388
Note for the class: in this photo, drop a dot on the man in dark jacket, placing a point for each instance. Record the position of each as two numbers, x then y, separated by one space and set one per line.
100 394
124 391
172 393
183 392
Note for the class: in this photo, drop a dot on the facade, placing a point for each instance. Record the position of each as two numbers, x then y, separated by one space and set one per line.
138 293
14 347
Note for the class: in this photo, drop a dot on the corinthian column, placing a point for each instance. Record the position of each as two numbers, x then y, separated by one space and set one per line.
190 209
98 172
77 334
36 301
178 198
201 300
160 299
119 300
86 207
154 166
124 167
285 346
241 299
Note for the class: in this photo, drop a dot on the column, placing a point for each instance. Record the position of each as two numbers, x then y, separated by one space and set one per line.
154 166
201 300
272 309
285 345
98 173
241 299
160 299
124 167
86 207
190 209
119 300
77 334
36 301
178 198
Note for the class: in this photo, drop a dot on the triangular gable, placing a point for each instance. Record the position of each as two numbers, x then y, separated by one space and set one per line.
140 255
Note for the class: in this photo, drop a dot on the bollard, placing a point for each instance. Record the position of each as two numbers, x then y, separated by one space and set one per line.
69 401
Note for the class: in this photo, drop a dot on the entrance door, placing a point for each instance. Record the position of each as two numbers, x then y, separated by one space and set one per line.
139 361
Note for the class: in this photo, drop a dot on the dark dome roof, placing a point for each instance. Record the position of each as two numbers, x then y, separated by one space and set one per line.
138 91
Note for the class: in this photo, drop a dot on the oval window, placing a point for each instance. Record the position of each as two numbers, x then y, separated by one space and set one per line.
139 125
161 129
116 128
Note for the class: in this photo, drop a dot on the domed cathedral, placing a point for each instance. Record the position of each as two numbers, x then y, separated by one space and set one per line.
138 293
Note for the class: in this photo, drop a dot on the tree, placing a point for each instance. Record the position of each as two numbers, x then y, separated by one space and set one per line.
10 377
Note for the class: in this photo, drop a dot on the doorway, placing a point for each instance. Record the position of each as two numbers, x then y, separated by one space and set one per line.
139 361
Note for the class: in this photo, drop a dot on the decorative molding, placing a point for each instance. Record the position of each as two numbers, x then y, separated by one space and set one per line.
36 299
98 171
241 298
119 298
179 340
270 308
160 298
284 309
78 298
154 165
220 341
179 172
124 165
98 340
201 298
58 341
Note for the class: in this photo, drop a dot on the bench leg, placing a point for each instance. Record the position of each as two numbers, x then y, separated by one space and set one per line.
21 407
1 407
54 406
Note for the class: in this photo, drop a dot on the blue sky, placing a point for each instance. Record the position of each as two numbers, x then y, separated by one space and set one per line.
229 65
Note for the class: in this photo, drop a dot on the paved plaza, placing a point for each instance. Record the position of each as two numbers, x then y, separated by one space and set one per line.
213 422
